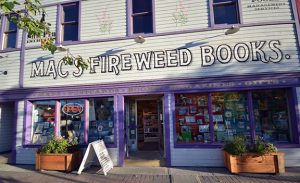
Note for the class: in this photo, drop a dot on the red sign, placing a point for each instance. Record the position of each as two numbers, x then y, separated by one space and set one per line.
72 109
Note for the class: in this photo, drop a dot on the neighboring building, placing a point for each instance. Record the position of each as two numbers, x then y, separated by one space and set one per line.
185 90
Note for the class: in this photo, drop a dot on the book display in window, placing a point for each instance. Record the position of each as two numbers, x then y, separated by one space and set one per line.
192 118
230 116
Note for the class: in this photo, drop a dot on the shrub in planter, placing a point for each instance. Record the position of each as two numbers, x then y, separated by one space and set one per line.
58 154
260 157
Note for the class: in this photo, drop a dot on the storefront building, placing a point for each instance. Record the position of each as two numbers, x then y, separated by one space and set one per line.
174 76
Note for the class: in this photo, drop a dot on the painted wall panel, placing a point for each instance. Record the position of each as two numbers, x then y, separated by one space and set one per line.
285 49
10 62
6 126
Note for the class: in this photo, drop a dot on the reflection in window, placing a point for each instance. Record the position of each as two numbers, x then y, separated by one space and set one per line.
10 33
226 11
72 119
101 116
142 17
271 115
43 117
70 22
192 118
230 115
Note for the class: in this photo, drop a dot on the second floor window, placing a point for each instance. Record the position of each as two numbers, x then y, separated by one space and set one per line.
226 12
142 17
10 33
70 16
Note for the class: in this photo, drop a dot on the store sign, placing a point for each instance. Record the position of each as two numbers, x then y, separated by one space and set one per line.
72 109
260 5
257 51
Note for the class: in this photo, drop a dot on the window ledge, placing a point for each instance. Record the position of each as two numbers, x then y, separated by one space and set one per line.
198 145
9 50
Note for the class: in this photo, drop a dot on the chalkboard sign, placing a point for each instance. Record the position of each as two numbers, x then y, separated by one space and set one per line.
98 149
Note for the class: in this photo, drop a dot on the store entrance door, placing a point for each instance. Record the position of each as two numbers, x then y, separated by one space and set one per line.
144 131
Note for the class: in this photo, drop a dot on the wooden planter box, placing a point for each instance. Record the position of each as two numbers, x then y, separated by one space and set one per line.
65 162
251 163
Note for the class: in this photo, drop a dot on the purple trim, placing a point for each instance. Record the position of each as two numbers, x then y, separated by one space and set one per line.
3 20
198 145
17 38
79 20
168 110
211 13
57 118
15 133
251 115
296 18
27 122
295 115
153 17
6 50
229 83
223 27
211 119
129 12
240 13
22 59
120 119
58 25
86 120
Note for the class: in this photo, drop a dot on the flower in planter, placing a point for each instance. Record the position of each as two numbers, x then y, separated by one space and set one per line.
58 145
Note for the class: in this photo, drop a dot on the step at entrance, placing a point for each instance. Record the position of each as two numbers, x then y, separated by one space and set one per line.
5 158
145 159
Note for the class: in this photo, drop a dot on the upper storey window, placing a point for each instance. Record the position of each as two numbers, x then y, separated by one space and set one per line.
70 19
10 33
142 16
226 11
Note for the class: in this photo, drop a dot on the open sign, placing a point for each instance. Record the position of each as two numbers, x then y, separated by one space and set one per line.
72 109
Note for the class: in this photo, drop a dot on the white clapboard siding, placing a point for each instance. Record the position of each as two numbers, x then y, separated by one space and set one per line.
250 15
103 19
10 63
194 14
284 33
6 126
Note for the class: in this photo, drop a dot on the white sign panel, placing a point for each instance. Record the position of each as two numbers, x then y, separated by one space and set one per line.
98 149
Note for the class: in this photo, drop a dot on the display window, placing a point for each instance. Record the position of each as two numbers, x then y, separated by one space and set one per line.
43 117
271 115
230 115
101 119
192 118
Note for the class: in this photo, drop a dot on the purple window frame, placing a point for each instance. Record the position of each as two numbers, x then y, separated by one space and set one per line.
212 16
130 19
60 22
3 32
28 121
212 144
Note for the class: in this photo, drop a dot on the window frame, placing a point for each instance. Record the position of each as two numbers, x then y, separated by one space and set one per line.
5 33
228 2
60 22
130 16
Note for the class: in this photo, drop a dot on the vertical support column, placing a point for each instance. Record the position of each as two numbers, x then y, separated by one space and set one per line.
295 115
15 130
57 117
27 122
169 113
251 116
211 119
86 120
295 6
119 114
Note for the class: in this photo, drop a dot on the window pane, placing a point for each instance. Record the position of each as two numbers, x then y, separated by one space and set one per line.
141 6
43 117
70 13
271 115
192 118
230 115
101 124
10 40
226 14
70 32
10 25
142 24
72 119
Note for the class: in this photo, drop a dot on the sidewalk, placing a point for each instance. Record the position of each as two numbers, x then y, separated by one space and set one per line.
26 173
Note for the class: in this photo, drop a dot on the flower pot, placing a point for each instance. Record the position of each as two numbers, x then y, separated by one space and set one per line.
64 162
253 163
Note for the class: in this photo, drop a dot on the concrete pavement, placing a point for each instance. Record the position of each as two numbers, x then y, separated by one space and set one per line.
26 173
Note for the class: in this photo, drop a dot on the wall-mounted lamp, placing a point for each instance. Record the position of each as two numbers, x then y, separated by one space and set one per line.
139 39
61 48
233 29
3 72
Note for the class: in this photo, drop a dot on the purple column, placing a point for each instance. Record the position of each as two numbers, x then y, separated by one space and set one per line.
119 104
251 115
211 121
57 118
15 127
27 122
86 120
295 116
3 21
169 110
58 24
